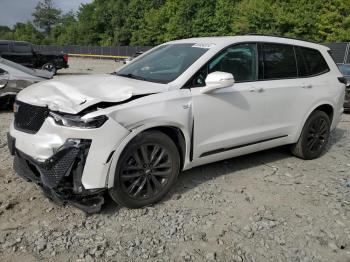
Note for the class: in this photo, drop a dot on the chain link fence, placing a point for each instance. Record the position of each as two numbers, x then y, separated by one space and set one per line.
340 51
112 51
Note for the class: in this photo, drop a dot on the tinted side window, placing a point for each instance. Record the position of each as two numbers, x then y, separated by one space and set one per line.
303 68
310 62
277 61
239 60
2 72
22 48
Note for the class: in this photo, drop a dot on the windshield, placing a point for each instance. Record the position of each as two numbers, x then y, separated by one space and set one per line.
164 64
16 66
344 69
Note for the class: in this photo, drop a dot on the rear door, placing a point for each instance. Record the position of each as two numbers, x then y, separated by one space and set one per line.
290 76
284 92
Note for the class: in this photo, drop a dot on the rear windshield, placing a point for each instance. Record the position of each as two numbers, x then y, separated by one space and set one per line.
164 64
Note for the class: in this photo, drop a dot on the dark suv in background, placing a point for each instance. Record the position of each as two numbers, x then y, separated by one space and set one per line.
23 53
345 70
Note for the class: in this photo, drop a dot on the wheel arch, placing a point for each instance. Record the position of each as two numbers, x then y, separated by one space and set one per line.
326 107
178 134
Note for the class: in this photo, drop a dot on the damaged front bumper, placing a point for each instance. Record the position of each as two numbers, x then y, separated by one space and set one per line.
60 175
7 96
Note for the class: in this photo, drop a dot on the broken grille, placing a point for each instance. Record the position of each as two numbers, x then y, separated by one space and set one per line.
29 118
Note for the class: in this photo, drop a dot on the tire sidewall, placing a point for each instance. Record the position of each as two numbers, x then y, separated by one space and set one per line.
117 193
54 70
306 152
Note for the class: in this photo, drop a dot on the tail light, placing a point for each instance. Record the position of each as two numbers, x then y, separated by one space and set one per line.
65 58
343 80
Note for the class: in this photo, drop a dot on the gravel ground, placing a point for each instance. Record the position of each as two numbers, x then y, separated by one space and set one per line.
79 66
267 206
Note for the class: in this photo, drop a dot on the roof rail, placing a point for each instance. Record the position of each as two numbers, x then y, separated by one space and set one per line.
280 36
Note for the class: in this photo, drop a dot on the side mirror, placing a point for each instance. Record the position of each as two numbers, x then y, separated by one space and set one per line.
217 80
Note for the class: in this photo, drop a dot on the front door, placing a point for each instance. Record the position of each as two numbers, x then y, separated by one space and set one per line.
229 118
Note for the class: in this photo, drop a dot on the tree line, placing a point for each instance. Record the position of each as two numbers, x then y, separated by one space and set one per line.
150 22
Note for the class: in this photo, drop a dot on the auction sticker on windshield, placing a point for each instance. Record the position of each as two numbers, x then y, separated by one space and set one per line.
204 45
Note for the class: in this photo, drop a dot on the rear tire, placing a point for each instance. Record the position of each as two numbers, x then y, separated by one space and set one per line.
146 170
50 67
314 136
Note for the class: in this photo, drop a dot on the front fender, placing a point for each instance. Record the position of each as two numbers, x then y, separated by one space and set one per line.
136 131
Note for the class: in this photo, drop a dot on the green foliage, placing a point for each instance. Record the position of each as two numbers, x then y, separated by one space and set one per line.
150 22
46 15
24 32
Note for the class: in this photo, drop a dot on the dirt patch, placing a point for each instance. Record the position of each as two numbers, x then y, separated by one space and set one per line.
79 66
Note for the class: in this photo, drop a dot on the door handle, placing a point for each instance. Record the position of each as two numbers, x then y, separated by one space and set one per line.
254 89
307 86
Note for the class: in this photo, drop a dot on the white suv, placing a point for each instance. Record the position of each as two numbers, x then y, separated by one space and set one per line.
182 104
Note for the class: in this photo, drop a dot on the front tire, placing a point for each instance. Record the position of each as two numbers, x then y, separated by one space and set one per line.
146 170
314 136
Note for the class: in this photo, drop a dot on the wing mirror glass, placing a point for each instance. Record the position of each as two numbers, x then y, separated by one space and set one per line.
217 80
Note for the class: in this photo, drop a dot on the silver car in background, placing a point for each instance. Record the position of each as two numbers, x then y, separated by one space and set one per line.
15 77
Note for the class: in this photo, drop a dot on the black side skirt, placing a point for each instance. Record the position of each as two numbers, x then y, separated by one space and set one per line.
221 150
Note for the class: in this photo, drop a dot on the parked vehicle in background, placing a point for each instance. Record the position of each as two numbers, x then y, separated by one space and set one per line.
345 70
182 104
15 77
129 59
23 53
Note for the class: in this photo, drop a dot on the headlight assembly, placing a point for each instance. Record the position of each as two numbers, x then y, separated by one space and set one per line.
77 121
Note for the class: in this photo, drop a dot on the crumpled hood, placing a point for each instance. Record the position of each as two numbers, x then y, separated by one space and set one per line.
74 94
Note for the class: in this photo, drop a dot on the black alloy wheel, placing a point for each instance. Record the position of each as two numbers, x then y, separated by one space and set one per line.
146 170
314 137
317 134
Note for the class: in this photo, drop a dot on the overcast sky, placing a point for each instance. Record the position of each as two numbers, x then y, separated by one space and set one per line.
13 11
